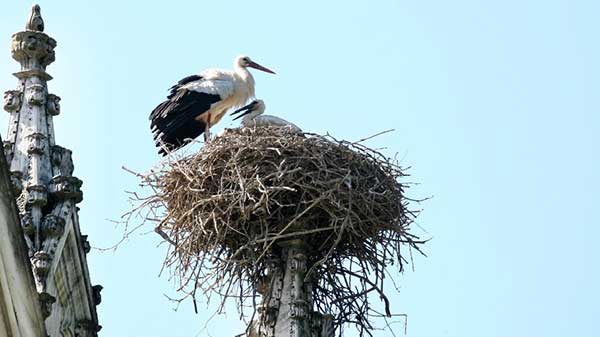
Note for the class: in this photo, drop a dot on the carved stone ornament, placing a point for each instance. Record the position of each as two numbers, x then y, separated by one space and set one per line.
268 314
63 188
35 94
37 195
62 163
27 223
8 150
298 309
85 243
46 301
298 263
53 226
87 328
96 297
12 100
16 179
35 22
41 263
32 45
53 105
37 143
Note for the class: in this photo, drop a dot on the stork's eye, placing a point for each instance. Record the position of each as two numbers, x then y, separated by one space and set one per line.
246 59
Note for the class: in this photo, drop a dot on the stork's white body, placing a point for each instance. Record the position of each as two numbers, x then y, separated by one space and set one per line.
265 120
234 87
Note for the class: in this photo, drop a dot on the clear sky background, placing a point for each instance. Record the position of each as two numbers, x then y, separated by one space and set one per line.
495 106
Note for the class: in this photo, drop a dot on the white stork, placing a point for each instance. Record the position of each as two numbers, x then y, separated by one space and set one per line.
197 102
252 114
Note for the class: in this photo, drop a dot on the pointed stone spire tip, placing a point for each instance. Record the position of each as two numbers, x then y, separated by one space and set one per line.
35 22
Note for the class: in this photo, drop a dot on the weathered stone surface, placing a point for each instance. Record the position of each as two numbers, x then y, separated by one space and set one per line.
20 312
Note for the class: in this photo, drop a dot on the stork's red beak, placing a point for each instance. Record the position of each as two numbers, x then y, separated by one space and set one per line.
259 67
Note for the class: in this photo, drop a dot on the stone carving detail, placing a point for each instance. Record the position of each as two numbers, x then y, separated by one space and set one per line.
53 105
65 188
12 100
35 22
46 301
53 226
16 182
36 94
37 143
298 263
27 223
41 265
62 163
8 150
96 297
32 45
37 195
87 328
298 309
85 244
270 288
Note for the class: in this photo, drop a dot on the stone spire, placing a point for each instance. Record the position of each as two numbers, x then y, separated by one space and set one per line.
41 171
287 304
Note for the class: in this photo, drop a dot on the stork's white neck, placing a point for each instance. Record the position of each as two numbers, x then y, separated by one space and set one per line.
244 74
246 77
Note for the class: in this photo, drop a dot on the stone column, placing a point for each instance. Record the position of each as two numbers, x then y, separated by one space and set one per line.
287 304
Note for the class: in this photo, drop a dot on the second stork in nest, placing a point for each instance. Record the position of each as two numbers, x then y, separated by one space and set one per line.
252 115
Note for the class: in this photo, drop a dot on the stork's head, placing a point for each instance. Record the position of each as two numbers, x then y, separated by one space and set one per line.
244 61
255 108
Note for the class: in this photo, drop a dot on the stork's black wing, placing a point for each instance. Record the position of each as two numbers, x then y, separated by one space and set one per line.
173 122
182 82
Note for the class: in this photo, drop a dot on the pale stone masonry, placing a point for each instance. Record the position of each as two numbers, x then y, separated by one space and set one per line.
46 193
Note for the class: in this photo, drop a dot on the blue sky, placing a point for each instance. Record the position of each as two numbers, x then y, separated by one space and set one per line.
495 108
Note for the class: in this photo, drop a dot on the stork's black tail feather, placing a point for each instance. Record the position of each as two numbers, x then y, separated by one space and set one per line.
170 136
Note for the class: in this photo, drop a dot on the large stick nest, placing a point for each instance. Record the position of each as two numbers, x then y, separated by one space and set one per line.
225 209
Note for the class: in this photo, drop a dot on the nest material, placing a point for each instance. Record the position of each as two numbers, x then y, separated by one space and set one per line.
225 209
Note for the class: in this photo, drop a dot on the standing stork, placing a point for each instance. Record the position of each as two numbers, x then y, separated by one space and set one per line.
197 102
252 114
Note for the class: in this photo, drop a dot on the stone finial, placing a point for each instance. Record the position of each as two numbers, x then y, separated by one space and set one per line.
96 297
35 22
